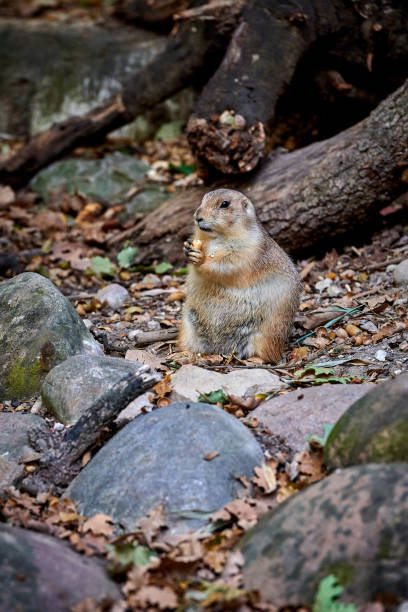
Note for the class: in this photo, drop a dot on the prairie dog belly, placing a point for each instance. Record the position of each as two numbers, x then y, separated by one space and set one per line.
226 319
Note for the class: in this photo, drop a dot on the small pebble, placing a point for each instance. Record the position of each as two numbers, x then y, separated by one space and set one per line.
381 355
323 284
369 326
352 330
341 332
58 427
401 273
334 290
113 295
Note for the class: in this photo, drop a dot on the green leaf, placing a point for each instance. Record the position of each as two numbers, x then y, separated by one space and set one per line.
208 593
183 168
46 246
181 271
102 266
326 597
214 397
127 256
126 555
162 267
321 441
314 370
318 375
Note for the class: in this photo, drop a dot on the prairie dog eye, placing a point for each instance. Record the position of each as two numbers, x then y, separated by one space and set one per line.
224 204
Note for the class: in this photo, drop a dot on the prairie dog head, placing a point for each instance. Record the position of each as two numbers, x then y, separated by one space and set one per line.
225 212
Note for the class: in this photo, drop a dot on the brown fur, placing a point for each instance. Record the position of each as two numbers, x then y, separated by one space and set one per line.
242 289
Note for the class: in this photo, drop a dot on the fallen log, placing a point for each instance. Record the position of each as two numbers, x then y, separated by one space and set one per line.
230 124
310 196
196 48
269 45
60 453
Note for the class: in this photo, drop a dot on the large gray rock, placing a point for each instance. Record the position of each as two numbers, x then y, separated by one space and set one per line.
38 572
353 525
159 458
299 414
44 78
374 429
190 381
15 446
38 329
78 382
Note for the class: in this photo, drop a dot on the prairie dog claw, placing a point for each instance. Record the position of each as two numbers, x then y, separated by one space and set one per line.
192 250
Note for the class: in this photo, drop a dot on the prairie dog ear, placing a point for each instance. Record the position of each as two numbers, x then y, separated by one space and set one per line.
248 206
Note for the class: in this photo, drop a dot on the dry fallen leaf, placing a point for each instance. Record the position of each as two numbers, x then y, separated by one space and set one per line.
232 570
48 220
318 342
151 524
163 597
98 524
211 456
175 296
145 357
388 330
86 457
265 477
311 465
88 214
319 318
188 550
162 388
216 559
242 510
7 196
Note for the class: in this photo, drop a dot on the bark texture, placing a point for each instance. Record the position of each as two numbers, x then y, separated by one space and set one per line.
307 197
195 48
57 466
229 126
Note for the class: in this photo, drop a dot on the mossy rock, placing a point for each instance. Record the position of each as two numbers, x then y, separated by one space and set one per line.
374 429
107 180
38 329
352 525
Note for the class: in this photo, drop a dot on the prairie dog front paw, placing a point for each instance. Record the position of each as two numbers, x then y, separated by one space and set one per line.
192 249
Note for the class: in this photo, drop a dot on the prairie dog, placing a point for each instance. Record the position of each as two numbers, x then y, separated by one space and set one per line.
242 289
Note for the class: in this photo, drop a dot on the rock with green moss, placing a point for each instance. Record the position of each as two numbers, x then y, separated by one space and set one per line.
374 429
38 329
353 525
107 180
50 71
